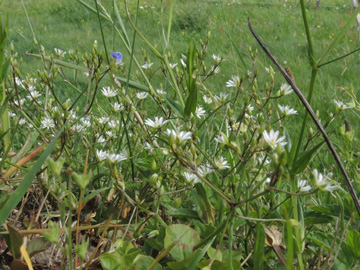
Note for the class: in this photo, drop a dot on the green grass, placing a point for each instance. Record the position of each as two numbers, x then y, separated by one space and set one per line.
68 25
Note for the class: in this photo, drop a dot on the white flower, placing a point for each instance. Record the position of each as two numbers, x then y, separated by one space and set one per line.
302 185
101 155
220 138
16 102
200 112
47 123
272 138
142 95
34 94
147 65
250 108
204 170
222 97
183 62
22 122
79 128
261 158
207 99
285 89
117 107
86 122
324 182
286 110
108 92
117 157
59 52
149 147
341 105
216 58
113 123
221 163
234 82
101 139
160 92
172 65
110 134
191 178
180 135
103 119
72 116
159 122
216 70
19 82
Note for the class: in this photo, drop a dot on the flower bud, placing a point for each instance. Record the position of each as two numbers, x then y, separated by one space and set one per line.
80 250
153 165
294 223
56 166
82 180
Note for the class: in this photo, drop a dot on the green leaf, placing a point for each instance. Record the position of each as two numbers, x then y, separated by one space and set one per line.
192 100
177 107
191 58
60 62
37 245
218 265
110 261
317 218
188 238
184 213
143 262
118 16
202 202
25 184
304 159
16 241
259 247
133 84
353 240
191 262
93 194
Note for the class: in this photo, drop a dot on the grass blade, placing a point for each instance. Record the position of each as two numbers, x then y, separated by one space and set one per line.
259 247
16 197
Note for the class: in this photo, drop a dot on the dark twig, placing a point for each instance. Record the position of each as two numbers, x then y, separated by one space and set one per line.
313 116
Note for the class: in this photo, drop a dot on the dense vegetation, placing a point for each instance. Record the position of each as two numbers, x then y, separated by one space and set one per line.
159 135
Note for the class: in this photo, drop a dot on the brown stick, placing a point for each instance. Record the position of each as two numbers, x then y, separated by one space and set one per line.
313 116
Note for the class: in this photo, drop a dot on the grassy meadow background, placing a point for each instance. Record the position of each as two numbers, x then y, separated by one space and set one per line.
67 25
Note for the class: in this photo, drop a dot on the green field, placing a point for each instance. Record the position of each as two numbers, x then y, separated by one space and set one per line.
216 175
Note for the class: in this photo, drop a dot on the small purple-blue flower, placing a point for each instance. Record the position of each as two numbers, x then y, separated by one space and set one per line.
117 56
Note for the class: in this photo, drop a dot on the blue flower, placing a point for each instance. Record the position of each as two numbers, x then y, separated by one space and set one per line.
117 56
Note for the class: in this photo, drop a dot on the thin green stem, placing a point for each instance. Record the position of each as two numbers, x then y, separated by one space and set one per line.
102 33
303 127
170 20
307 31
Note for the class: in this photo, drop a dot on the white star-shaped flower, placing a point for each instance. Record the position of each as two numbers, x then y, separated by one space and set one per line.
47 123
108 92
234 82
272 138
159 122
287 110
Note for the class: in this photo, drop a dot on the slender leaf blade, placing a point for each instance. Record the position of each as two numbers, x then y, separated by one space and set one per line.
16 197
